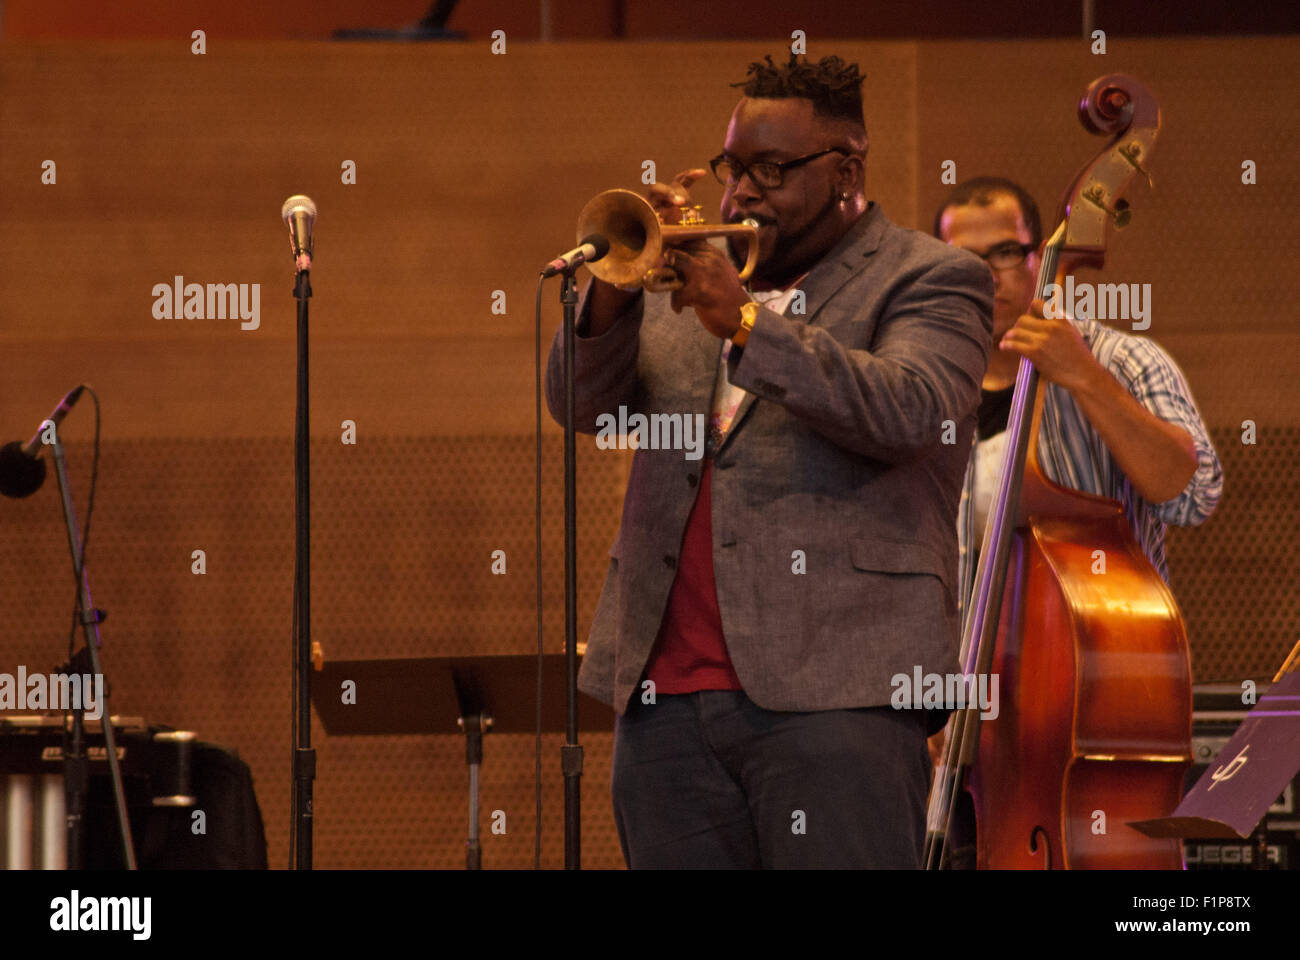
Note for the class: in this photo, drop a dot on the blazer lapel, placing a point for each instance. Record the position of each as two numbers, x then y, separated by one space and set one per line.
845 259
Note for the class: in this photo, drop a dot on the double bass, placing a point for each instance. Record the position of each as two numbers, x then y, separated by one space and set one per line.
1093 729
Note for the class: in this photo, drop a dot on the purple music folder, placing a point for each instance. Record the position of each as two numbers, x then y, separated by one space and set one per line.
1247 776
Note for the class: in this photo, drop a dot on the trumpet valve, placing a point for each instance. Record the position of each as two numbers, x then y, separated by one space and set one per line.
690 216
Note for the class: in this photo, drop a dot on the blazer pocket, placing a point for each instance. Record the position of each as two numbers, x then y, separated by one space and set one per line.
902 556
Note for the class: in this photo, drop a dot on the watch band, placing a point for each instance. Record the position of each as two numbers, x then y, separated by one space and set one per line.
748 314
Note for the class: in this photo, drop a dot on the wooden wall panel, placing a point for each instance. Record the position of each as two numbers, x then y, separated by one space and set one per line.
471 170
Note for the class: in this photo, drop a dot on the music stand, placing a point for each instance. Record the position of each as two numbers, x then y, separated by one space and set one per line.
1258 761
426 695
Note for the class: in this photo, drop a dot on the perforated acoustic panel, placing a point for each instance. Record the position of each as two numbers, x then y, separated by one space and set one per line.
403 535
1236 576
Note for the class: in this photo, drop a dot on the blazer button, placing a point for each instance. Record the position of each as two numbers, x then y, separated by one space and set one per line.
670 561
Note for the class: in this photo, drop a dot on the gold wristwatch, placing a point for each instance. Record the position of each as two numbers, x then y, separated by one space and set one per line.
748 314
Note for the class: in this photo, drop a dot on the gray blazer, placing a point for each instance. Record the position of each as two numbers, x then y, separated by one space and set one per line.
841 451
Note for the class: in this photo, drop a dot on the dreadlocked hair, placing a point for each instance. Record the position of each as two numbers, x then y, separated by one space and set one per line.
833 86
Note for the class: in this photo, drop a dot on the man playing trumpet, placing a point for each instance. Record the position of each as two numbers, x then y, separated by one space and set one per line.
760 603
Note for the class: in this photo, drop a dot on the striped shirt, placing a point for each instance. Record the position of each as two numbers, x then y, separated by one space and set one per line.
1073 455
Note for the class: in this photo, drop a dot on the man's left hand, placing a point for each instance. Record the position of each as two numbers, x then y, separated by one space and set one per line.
1053 346
711 285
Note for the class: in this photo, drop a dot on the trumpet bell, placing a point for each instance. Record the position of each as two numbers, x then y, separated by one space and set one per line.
632 228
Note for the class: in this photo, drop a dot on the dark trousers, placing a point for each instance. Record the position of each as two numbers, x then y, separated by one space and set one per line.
710 779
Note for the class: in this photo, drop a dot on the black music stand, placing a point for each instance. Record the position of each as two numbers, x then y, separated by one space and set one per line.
1231 799
477 694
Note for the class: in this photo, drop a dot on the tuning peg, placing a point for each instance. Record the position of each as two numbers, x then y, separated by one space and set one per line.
1132 152
1120 213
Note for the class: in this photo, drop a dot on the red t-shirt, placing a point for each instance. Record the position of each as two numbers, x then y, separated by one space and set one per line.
690 653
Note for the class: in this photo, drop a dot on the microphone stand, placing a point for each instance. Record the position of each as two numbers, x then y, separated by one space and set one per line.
76 772
571 751
304 757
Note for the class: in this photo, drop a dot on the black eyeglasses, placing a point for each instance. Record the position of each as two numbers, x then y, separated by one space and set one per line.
767 174
1009 254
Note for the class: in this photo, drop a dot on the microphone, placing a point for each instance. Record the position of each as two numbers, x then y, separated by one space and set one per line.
591 249
299 213
21 470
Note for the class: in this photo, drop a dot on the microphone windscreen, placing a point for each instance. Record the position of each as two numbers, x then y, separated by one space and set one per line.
599 242
20 475
294 204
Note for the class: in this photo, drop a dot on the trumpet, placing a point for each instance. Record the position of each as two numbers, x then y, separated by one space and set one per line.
637 236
